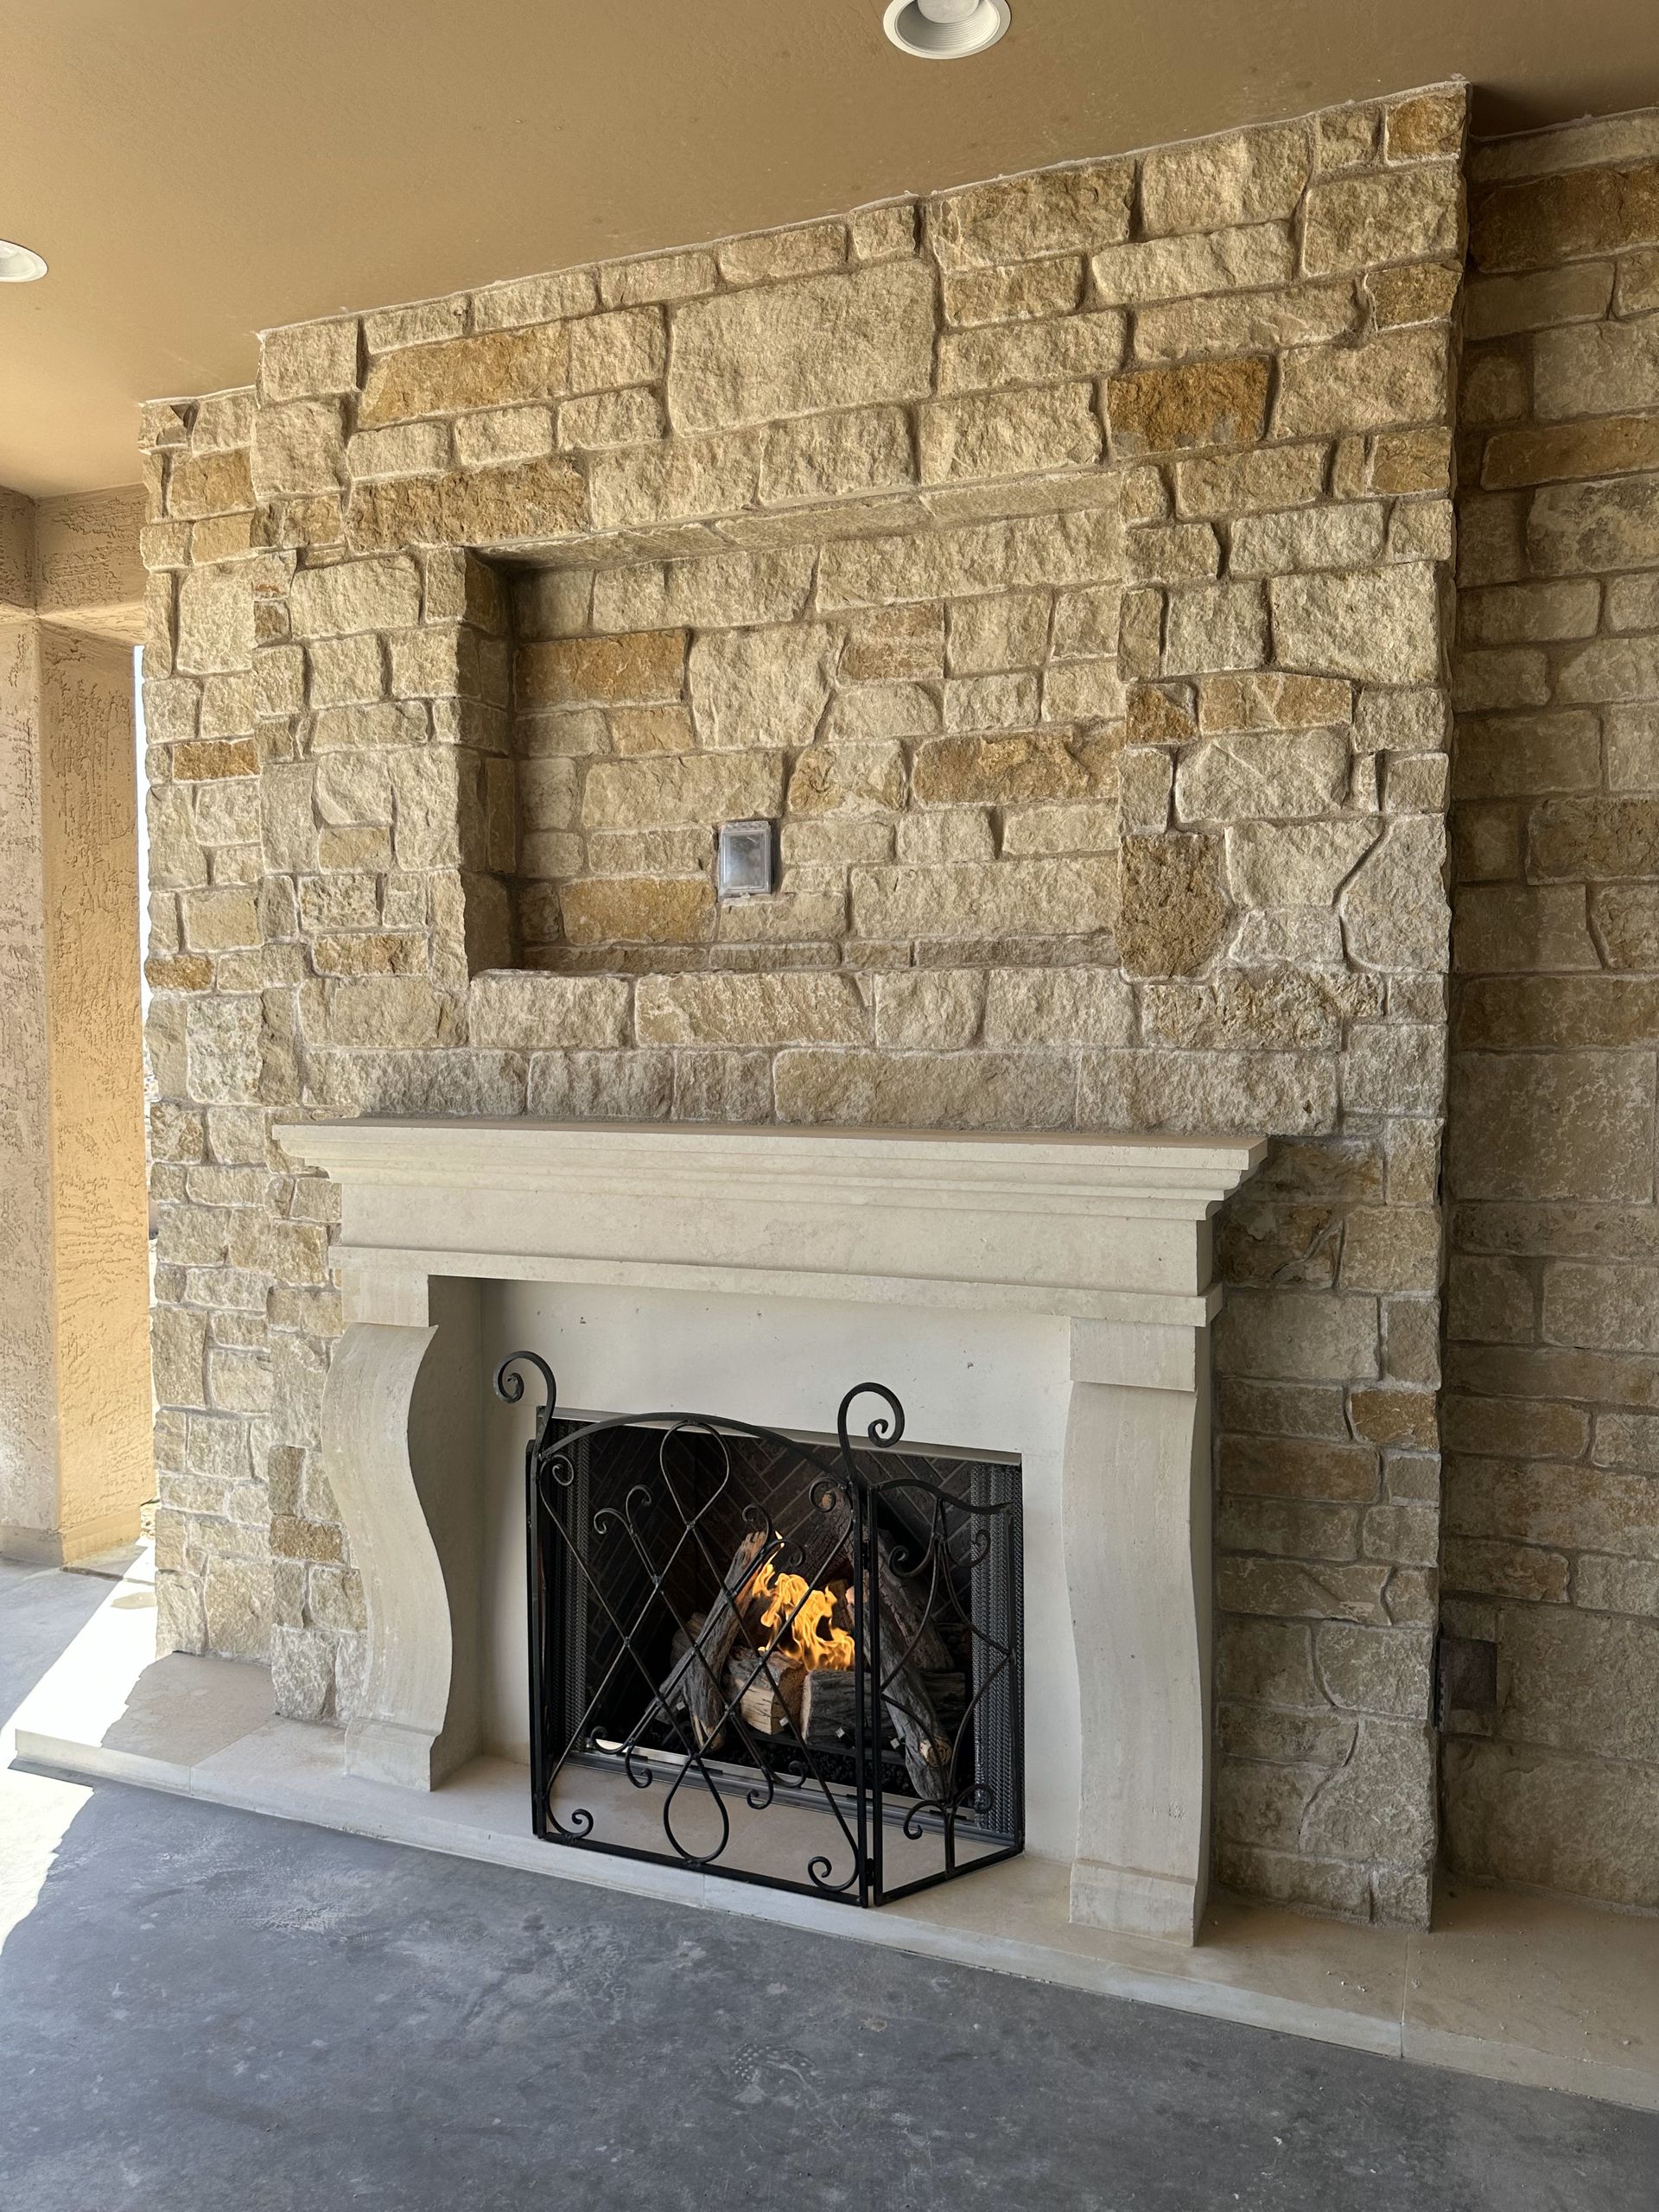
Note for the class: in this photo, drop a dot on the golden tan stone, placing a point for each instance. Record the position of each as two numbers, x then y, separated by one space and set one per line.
1400 376
1295 314
790 349
1355 222
1426 124
1030 290
1008 771
1211 403
492 369
209 484
637 910
1612 445
669 789
202 760
804 1009
1174 906
1547 219
1009 432
1248 483
1001 899
836 779
1213 182
962 1091
764 256
1022 218
642 668
895 641
1419 292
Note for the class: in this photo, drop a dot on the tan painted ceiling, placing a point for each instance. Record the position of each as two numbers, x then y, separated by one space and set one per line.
195 169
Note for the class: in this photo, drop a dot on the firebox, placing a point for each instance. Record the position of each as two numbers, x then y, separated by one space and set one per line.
789 1659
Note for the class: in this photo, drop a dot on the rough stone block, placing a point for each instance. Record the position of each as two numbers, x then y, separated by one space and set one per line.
1382 627
1399 376
1354 222
1244 177
801 1009
818 342
1023 217
1209 404
1007 434
1174 903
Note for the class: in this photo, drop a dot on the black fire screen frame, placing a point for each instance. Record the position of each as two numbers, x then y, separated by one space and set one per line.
932 1572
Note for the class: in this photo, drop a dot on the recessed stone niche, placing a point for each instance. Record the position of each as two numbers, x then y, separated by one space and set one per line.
932 718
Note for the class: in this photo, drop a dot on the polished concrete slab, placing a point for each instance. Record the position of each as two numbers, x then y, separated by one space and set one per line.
201 2007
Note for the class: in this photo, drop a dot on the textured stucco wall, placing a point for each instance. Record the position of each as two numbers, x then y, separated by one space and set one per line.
75 1463
1164 442
1552 1411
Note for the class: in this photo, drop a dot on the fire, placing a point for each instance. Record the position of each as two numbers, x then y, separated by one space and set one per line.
810 1639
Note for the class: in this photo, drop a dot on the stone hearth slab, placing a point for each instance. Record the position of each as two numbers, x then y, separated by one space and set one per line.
1516 1988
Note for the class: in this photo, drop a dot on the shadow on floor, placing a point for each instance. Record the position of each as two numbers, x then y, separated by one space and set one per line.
41 1612
206 2009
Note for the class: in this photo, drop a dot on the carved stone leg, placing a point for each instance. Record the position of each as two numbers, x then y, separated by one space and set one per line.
400 1427
1137 1558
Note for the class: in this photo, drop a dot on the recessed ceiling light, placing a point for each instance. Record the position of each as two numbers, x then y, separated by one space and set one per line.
945 30
18 265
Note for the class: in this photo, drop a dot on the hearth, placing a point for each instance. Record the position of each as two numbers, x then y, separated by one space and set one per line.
784 1659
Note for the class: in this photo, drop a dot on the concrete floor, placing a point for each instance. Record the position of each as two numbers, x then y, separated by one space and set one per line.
201 2008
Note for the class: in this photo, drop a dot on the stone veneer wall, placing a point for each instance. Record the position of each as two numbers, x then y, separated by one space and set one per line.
1123 485
1551 1415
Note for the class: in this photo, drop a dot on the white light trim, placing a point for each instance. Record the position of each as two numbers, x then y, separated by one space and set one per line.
19 264
929 36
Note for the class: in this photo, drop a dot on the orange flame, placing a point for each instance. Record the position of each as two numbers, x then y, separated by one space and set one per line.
810 1639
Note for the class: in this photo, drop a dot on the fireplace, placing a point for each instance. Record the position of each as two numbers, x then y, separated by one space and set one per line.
773 1657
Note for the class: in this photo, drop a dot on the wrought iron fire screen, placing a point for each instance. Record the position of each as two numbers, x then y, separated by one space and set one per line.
772 1658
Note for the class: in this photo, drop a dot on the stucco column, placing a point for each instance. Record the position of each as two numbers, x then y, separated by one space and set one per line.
74 1377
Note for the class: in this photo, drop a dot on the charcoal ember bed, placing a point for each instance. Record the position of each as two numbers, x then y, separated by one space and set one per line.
784 1659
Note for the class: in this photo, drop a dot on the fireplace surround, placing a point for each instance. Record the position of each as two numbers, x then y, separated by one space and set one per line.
1043 1299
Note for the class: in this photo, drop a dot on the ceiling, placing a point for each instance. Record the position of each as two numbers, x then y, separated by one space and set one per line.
192 171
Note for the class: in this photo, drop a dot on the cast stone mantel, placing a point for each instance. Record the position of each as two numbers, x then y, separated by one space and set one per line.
1110 1233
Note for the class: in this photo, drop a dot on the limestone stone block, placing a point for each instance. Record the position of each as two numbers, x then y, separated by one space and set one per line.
1206 1092
1273 1009
1247 483
637 910
1009 771
764 257
1579 837
1610 669
1428 123
1270 700
1530 1816
682 787
547 794
1382 627
224 1038
298 448
1247 259
817 342
540 1011
610 350
650 729
1005 631
492 369
805 1007
978 899
937 1009
1421 291
1617 361
1267 774
1345 536
1083 691
308 358
606 418
1005 701
1302 314
209 484
1247 176
1008 433
1216 626
957 833
215 621
388 723
1182 552
1077 547
675 479
879 233
1174 903
1298 865
238 1601
501 434
1025 292
1057 1006
656 276
1499 307
1560 1125
1603 1308
1025 217
1395 909
894 641
768 686
1568 217
830 778
886 710
625 1086
641 668
385 1013
1209 404
1399 376
424 321
1588 528
1030 353
1354 222
829 456
351 596
1145 774
962 1091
